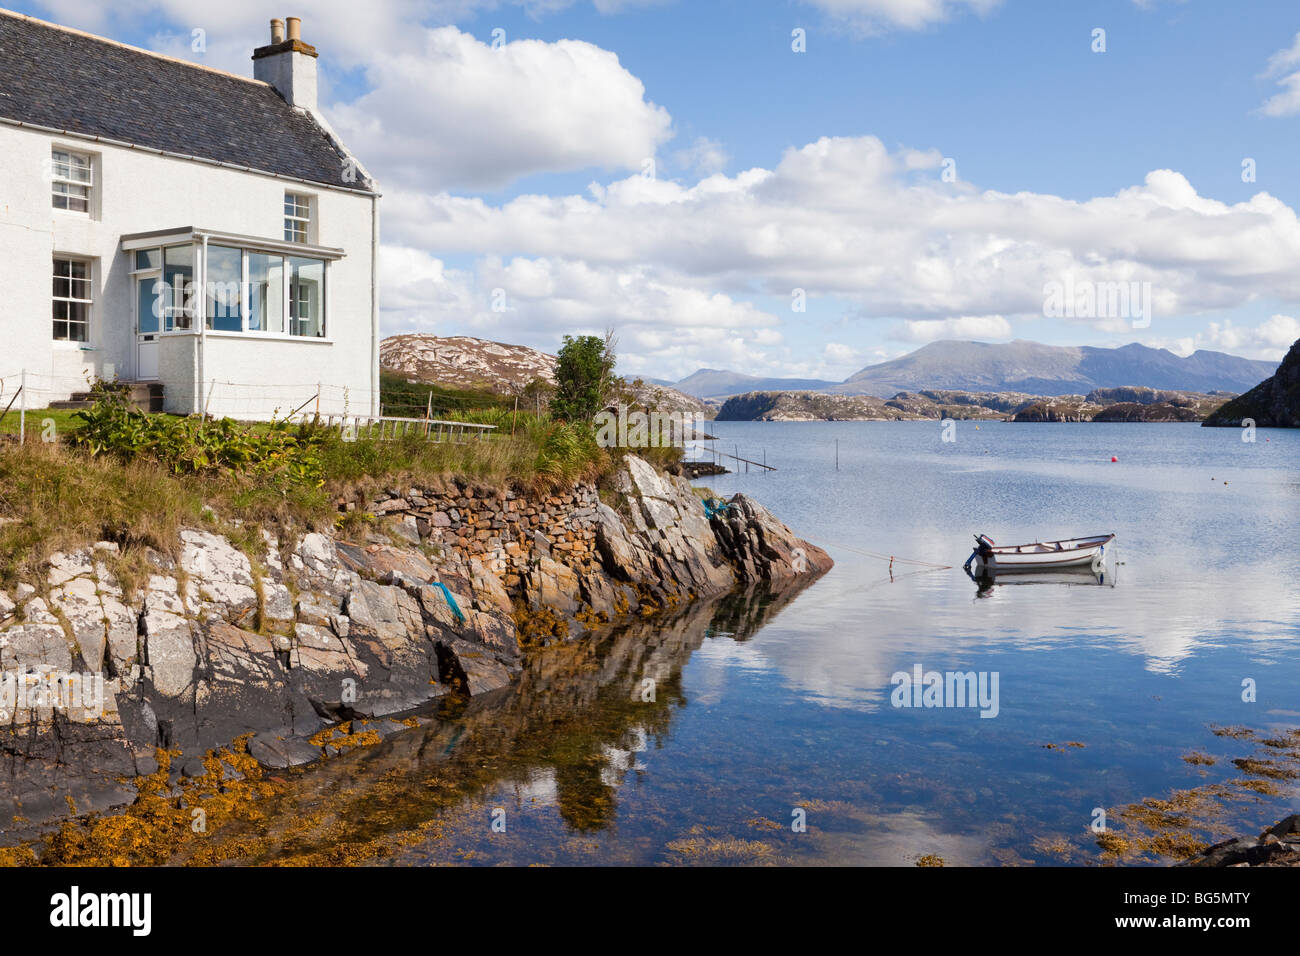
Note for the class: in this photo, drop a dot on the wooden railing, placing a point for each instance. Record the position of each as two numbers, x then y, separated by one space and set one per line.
386 428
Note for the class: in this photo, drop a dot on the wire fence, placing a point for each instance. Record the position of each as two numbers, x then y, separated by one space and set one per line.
357 412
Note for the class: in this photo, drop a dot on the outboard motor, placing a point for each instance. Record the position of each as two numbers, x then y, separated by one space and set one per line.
983 550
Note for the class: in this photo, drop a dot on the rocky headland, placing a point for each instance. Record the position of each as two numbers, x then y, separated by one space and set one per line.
1273 403
440 594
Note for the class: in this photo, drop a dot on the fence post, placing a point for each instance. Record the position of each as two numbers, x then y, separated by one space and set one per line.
22 408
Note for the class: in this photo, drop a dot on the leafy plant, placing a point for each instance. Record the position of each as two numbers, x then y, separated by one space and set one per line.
281 453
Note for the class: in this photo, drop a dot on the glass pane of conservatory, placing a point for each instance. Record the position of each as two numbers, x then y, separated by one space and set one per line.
178 274
307 297
265 293
225 287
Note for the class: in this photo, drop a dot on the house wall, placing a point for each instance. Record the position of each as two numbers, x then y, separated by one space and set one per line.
137 191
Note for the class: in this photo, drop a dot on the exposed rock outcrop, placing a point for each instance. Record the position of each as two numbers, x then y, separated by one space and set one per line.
1279 845
1154 412
1273 403
1110 404
438 598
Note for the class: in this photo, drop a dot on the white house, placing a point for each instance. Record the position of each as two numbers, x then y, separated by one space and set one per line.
164 222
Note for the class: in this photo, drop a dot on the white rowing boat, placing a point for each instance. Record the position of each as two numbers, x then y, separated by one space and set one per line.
994 558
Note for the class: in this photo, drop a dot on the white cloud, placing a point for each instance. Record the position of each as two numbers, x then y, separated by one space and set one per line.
1286 103
344 33
875 16
1284 60
665 324
704 156
964 327
458 113
1269 339
1283 67
848 219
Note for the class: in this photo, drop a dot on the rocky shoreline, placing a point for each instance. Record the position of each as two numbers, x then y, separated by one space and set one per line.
439 595
1279 845
1128 404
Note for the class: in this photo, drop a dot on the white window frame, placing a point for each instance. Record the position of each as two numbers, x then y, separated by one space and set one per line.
198 312
298 216
290 318
89 301
71 183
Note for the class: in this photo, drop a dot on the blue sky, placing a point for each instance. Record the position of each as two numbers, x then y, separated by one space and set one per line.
519 175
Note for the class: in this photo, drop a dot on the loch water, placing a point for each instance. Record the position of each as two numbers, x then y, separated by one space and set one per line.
763 728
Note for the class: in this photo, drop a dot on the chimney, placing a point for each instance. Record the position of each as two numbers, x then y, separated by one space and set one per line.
288 64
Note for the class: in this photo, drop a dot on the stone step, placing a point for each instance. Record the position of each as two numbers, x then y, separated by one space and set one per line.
146 396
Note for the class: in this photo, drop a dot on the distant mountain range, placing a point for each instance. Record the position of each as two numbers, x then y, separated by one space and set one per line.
718 383
1020 370
1018 366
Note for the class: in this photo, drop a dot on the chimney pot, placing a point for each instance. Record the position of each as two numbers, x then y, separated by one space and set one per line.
277 31
295 28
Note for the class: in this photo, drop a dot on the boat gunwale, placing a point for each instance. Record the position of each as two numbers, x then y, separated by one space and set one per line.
1094 541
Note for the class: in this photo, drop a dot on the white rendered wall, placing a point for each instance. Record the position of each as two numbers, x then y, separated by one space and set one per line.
136 191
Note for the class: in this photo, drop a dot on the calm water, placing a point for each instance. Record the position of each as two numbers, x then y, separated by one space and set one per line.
766 705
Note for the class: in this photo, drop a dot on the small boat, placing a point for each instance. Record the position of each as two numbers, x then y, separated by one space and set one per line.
992 558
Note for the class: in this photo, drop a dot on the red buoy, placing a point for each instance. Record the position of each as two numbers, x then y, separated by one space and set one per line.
1113 458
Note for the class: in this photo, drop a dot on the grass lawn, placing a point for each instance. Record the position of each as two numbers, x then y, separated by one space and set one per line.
36 418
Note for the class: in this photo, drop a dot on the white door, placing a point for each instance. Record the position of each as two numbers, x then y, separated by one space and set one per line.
148 321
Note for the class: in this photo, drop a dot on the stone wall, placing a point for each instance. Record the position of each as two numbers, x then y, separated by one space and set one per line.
438 595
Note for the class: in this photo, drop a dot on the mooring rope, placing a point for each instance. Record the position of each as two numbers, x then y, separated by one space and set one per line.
928 565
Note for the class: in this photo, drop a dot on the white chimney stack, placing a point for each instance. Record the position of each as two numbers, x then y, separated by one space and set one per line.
288 64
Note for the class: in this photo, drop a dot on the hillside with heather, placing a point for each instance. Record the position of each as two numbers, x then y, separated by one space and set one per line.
468 363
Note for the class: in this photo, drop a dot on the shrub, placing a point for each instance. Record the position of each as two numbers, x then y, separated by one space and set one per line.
584 377
279 453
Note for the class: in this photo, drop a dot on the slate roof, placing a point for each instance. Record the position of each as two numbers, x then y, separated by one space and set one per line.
72 81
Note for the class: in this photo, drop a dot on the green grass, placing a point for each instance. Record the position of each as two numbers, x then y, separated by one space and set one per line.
58 495
401 398
37 419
